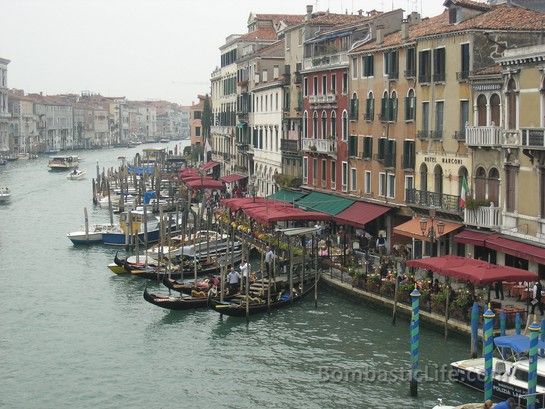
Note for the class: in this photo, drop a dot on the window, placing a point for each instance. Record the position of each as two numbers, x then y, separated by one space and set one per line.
388 107
439 65
314 170
541 192
367 147
367 66
391 64
381 149
408 155
382 184
481 110
391 185
438 176
424 177
424 66
494 186
305 87
354 102
333 124
353 145
305 170
464 118
370 107
324 125
345 83
276 102
353 180
197 131
464 62
334 84
409 184
324 85
324 166
390 153
315 85
511 104
345 126
315 125
367 184
410 106
354 68
345 176
333 171
425 117
276 72
410 63
510 188
197 115
439 108
495 110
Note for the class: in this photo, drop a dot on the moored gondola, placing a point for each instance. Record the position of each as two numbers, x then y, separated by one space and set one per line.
199 299
185 287
257 305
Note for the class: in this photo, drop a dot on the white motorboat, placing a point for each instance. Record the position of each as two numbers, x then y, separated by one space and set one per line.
510 369
63 162
94 235
76 174
5 195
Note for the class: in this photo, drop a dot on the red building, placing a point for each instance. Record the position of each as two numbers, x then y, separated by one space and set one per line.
327 105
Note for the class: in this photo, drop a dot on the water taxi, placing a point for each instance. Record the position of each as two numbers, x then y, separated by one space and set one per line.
63 162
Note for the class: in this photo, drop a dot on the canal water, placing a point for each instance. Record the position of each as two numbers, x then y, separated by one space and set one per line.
73 335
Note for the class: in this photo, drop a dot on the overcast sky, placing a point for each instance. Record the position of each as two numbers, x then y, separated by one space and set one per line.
142 49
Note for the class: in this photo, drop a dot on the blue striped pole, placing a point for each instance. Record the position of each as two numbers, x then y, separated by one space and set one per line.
488 349
518 323
474 329
415 340
532 366
542 336
503 320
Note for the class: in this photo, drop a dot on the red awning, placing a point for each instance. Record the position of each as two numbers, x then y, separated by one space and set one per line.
360 213
205 183
209 165
412 229
247 202
468 269
516 248
472 237
191 178
267 215
185 172
233 178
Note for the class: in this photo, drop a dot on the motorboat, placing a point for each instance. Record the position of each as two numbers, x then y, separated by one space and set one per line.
51 151
5 195
76 174
510 370
93 236
62 163
12 157
164 140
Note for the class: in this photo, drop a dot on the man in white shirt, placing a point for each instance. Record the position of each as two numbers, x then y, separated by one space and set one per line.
233 278
269 257
244 270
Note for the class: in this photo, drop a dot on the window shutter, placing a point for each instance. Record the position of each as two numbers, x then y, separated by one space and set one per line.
394 109
384 109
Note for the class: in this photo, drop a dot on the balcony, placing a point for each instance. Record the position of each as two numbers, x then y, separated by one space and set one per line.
424 134
462 76
439 77
437 134
326 61
326 146
460 136
289 145
511 138
483 216
410 73
533 138
433 200
323 99
393 76
487 136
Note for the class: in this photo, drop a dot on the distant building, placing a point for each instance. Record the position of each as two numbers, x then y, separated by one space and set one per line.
195 121
4 114
23 124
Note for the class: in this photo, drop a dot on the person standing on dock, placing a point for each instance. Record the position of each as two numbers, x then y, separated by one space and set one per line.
269 257
536 297
233 278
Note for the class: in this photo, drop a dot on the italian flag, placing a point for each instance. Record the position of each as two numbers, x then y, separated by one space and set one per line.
463 193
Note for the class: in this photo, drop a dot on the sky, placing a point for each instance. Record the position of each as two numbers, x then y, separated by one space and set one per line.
141 49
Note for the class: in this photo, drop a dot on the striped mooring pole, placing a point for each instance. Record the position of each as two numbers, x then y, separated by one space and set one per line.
488 349
503 321
518 323
474 329
535 329
415 340
542 335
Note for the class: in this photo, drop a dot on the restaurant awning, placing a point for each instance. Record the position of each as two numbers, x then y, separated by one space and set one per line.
209 165
233 177
516 248
322 202
236 204
188 172
412 228
468 269
205 183
360 213
267 215
284 195
476 238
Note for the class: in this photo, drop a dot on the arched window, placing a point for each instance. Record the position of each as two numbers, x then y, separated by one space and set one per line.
392 108
324 125
423 177
333 124
305 124
481 110
480 184
438 179
315 125
345 126
370 107
495 110
354 105
511 104
410 106
494 186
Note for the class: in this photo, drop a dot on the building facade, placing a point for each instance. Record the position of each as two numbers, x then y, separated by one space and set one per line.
4 113
195 121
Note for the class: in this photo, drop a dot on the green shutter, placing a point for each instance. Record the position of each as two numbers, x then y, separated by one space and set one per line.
384 109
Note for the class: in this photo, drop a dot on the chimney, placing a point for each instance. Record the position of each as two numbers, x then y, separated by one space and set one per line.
360 12
414 18
380 34
309 12
404 29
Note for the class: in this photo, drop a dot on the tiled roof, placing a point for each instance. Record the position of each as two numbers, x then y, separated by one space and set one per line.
333 19
470 4
262 33
502 17
289 19
273 50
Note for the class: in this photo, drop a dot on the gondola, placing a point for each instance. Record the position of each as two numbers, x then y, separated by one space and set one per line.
184 288
239 309
178 303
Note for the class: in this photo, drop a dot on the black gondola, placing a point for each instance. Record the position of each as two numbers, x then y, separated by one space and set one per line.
184 288
239 309
118 261
178 303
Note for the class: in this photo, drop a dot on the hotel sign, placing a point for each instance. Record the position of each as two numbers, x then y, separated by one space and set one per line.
443 160
487 87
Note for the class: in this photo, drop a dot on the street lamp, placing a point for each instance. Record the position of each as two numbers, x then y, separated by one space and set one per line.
435 230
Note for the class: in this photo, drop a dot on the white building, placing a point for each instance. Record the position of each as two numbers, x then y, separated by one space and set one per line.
4 113
24 133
